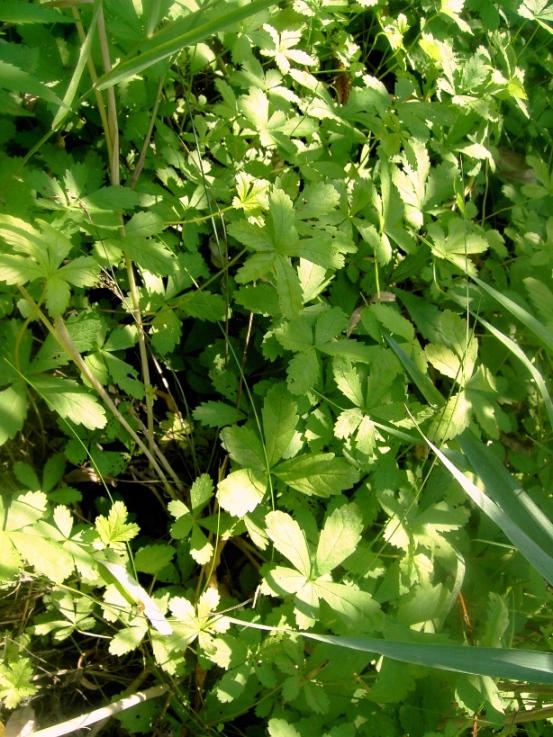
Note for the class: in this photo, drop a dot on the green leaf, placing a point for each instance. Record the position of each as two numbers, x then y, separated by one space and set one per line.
15 682
288 287
539 558
281 728
142 224
152 558
204 305
506 492
18 270
154 257
126 640
25 510
261 299
241 491
279 422
539 329
350 349
81 272
244 447
233 683
451 419
289 539
165 330
339 538
200 547
348 381
47 557
317 474
296 335
10 560
134 593
111 199
201 492
13 412
216 414
16 80
114 528
58 295
303 372
71 401
509 664
12 11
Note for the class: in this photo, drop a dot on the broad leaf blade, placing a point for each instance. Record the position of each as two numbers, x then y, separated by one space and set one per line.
279 422
289 539
339 538
317 474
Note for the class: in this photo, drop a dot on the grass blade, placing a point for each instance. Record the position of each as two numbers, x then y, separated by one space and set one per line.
518 665
79 68
422 381
538 328
161 50
505 493
503 489
519 353
533 553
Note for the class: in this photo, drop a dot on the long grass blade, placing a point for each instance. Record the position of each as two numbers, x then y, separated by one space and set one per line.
533 553
79 68
507 494
519 353
507 663
504 492
533 324
161 50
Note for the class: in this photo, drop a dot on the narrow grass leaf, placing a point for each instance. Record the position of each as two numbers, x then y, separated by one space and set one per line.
504 490
69 96
541 560
163 49
507 663
519 353
533 324
422 381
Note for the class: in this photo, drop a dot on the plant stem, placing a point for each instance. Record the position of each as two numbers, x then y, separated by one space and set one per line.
61 334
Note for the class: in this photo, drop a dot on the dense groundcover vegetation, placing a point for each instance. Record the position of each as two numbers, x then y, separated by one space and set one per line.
276 316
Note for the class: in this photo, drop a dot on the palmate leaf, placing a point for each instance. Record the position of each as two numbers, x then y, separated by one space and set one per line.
15 682
504 491
135 593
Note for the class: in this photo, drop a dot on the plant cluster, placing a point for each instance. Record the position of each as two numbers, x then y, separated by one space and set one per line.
257 259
